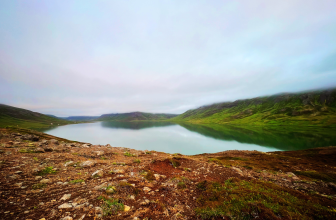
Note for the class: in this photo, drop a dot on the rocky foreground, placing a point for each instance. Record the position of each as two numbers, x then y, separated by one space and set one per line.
46 177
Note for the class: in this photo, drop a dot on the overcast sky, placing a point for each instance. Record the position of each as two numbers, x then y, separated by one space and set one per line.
92 57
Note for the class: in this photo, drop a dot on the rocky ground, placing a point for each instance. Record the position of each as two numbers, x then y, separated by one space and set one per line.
46 177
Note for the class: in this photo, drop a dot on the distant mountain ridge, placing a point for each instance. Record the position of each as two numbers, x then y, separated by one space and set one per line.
135 116
305 108
81 118
12 116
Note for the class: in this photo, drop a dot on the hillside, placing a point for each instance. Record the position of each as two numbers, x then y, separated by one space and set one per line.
12 116
135 116
317 108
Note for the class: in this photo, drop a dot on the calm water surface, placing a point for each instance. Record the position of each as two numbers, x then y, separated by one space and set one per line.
192 139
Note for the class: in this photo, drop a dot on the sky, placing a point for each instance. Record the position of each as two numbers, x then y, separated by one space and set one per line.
70 58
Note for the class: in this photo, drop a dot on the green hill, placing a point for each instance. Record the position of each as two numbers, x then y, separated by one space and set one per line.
316 108
12 116
135 116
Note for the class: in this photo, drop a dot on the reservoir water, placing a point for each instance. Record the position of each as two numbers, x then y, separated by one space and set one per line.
192 139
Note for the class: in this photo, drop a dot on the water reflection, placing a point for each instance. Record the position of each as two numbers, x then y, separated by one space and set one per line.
188 138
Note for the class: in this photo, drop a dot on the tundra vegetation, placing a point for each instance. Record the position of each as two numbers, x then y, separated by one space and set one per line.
65 179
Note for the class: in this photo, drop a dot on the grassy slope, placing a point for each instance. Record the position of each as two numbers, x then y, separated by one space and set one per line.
305 109
12 116
135 116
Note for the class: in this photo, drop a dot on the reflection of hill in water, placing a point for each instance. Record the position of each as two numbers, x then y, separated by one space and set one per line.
282 138
135 125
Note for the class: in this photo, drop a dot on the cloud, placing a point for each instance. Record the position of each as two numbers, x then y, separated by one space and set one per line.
84 58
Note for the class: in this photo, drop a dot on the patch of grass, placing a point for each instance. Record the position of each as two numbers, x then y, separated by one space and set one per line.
149 176
103 158
175 163
326 177
118 164
240 199
39 185
148 152
137 161
187 169
248 167
23 150
111 205
128 154
47 170
35 158
76 181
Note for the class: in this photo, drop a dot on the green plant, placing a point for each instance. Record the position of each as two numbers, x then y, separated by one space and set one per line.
76 181
103 158
39 185
150 176
47 170
128 154
111 205
148 152
175 163
35 158
137 161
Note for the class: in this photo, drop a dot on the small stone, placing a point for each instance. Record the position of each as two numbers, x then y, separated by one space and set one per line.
68 163
38 177
65 197
146 189
42 219
98 173
66 218
132 197
18 172
18 184
45 181
26 212
98 210
126 208
87 163
101 186
157 176
65 206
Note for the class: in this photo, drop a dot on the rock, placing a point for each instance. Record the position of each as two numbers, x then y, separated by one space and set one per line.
68 163
14 176
39 150
18 172
65 197
132 197
238 170
98 173
38 177
65 206
332 185
101 187
42 219
99 153
126 208
81 218
145 202
117 171
54 141
157 176
111 190
66 218
44 142
48 149
45 181
146 189
87 163
98 210
18 184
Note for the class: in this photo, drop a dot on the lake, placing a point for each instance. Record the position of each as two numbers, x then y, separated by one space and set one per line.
192 139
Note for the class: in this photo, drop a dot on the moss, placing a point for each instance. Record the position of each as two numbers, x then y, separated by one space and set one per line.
76 181
241 199
39 185
150 176
137 161
175 163
128 154
111 205
47 170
